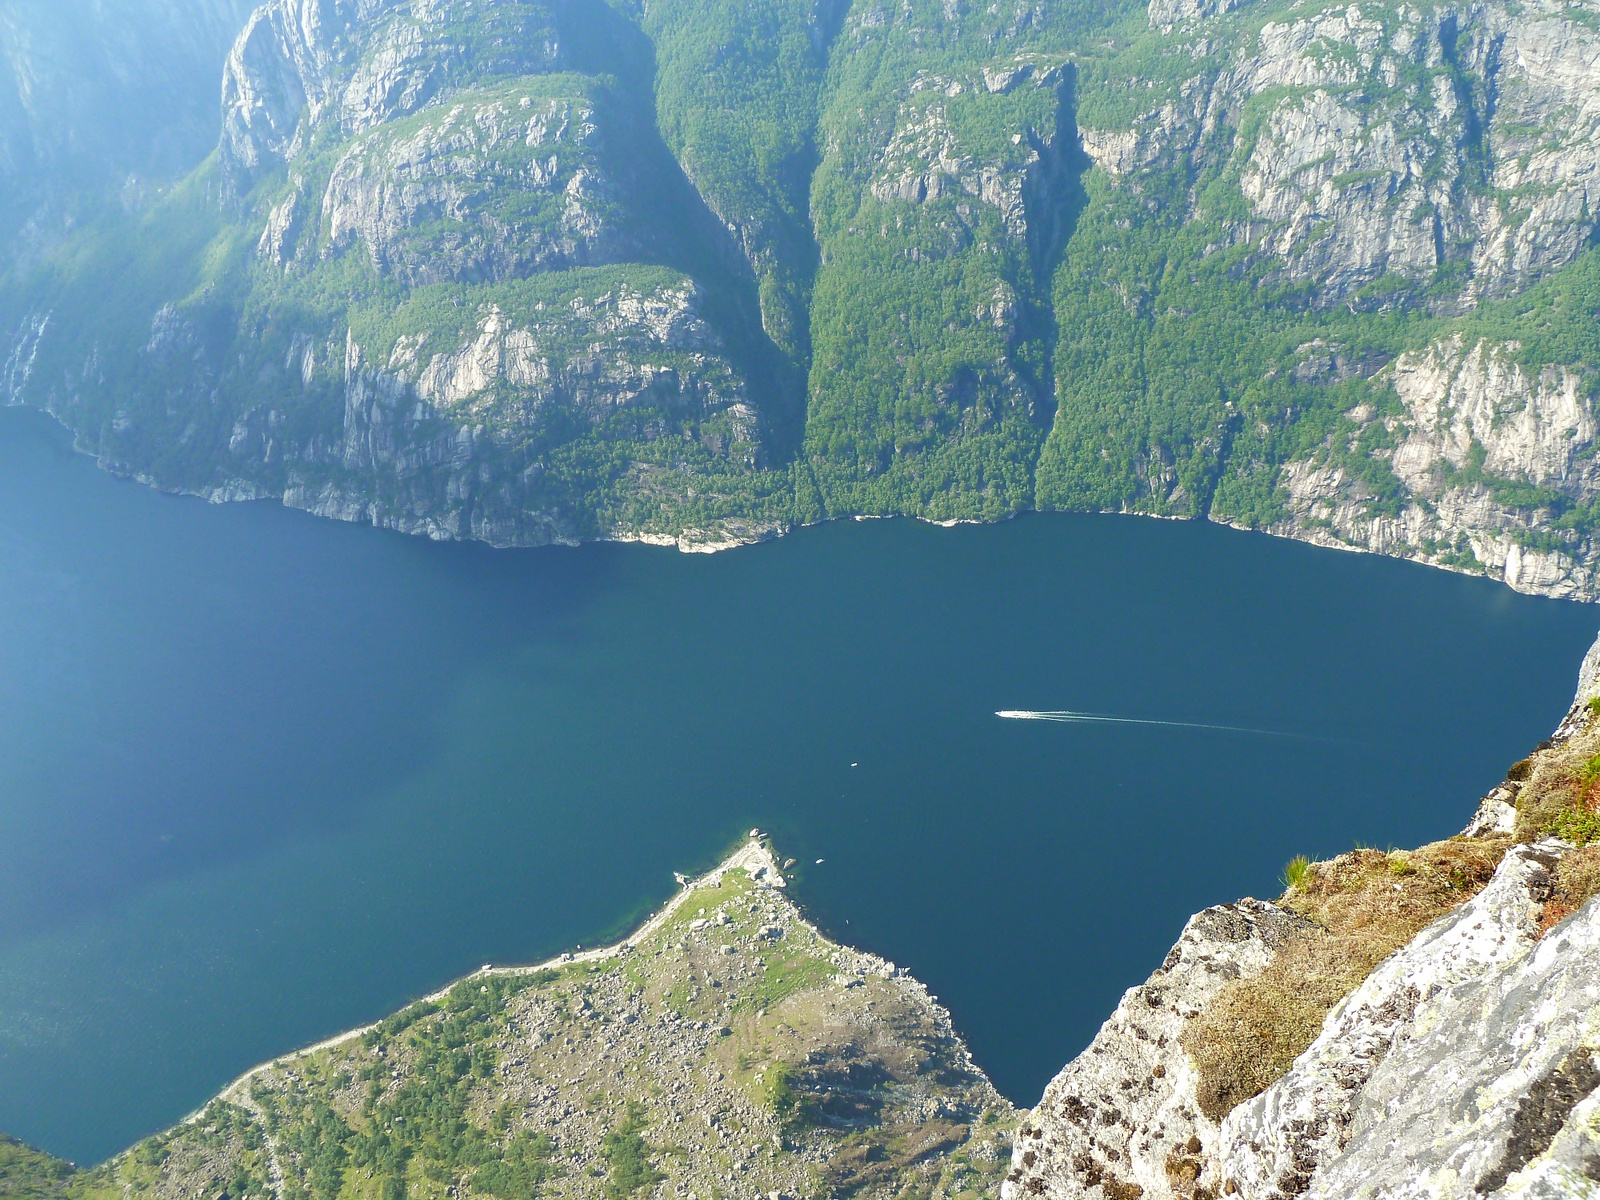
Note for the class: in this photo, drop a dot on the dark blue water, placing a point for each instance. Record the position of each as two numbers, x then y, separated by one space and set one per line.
263 777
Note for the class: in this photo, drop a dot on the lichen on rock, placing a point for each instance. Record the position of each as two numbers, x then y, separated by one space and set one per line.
1462 1059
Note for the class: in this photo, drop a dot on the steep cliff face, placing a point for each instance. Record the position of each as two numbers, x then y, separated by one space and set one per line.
1343 1056
444 437
1126 1113
360 63
427 289
1417 183
490 186
1474 437
1448 145
465 429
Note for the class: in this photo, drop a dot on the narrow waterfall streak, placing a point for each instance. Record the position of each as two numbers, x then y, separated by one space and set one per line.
1083 718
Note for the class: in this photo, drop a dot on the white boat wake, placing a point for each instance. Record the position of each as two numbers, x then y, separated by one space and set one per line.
1083 718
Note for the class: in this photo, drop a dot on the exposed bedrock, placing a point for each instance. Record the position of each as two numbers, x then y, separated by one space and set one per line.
1372 144
1485 447
1466 1063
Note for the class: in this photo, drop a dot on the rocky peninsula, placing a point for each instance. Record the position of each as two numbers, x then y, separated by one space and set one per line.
727 1048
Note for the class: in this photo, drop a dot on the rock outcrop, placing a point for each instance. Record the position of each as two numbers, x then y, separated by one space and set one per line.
925 157
519 182
1283 1139
1124 1116
1411 145
1465 1064
361 63
1485 448
1496 1091
450 437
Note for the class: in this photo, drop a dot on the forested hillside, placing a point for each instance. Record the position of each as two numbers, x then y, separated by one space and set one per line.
698 271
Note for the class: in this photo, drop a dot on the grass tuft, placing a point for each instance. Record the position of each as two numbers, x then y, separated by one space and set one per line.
1295 875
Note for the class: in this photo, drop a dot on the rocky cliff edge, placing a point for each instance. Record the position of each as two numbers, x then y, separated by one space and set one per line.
1402 1024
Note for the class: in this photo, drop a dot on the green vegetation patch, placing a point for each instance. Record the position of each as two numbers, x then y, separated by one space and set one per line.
628 1157
29 1174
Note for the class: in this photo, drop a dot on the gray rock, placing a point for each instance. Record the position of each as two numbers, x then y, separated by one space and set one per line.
1494 1092
298 62
1166 13
1465 405
1276 1143
483 187
1588 689
1125 1110
434 436
1369 162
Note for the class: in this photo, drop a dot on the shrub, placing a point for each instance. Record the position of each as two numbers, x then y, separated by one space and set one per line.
1578 819
1578 825
628 1155
519 1174
1561 778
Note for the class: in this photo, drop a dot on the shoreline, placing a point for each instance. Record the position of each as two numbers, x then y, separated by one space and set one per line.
693 541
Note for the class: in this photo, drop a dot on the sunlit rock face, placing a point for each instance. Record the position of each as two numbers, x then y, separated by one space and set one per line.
1390 147
361 63
1471 421
1464 1064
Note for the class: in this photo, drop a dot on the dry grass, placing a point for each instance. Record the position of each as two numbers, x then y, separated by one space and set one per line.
1366 904
1577 881
1390 897
1254 1029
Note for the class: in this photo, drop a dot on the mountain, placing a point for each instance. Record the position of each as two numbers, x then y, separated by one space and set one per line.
696 272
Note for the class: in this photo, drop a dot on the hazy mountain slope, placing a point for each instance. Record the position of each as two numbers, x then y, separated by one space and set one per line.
92 92
1325 271
1290 204
367 322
